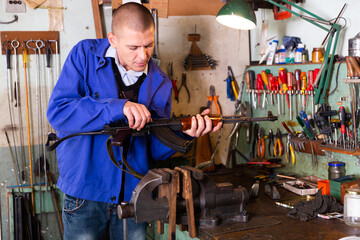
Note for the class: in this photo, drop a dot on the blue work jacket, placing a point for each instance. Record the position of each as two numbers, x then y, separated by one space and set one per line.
84 99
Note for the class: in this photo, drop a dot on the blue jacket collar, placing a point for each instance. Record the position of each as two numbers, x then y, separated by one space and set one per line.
100 47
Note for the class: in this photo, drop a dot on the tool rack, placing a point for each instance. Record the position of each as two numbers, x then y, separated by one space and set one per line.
325 153
24 36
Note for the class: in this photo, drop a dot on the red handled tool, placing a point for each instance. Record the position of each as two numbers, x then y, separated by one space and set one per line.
282 78
259 86
342 117
264 77
289 78
310 89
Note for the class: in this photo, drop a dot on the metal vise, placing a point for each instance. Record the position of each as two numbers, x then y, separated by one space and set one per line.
185 196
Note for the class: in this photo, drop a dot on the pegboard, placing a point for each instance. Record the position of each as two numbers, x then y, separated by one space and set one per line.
24 36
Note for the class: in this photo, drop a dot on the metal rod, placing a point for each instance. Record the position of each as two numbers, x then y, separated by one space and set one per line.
12 161
15 44
28 126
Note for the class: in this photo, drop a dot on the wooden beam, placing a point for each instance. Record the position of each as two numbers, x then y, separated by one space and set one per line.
97 19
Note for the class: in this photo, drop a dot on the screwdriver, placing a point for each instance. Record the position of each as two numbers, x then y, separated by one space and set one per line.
289 84
307 122
271 88
303 89
302 124
247 80
259 86
252 87
282 77
277 89
298 88
264 77
310 89
342 117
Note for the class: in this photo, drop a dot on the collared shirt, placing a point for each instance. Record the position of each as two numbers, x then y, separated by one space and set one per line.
128 77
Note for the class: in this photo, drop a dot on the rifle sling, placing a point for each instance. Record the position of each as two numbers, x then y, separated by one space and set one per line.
109 148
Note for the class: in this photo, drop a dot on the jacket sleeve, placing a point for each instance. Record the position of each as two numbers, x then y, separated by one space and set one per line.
71 107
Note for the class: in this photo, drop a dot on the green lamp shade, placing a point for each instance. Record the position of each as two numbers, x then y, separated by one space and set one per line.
237 14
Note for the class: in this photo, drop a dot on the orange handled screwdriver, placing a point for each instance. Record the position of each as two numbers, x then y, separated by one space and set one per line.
303 89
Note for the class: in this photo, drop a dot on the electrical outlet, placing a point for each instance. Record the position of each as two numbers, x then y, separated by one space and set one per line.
14 6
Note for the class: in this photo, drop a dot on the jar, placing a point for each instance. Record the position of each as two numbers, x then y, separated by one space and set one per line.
336 169
352 207
317 55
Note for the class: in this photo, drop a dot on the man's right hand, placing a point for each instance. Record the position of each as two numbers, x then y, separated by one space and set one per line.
137 114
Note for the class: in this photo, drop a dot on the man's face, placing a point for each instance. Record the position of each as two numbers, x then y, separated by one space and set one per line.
133 48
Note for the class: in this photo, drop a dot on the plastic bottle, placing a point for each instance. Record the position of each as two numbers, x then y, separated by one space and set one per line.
282 55
298 53
270 58
290 55
277 55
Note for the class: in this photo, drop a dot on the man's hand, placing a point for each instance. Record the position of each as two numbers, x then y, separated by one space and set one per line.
137 114
201 125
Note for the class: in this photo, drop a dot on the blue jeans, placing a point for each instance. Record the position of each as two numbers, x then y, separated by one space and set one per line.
89 220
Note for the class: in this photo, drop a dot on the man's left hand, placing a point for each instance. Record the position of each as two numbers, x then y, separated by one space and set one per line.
201 125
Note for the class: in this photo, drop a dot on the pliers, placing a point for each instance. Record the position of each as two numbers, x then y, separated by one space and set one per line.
279 146
290 150
261 144
213 98
271 142
171 76
183 83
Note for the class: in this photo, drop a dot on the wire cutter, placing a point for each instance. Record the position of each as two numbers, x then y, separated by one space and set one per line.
261 144
183 83
171 76
213 98
290 150
279 146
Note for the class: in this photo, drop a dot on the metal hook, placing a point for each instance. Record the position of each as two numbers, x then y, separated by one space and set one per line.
6 45
15 43
37 44
28 44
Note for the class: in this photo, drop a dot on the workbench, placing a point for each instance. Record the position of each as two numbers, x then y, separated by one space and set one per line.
287 228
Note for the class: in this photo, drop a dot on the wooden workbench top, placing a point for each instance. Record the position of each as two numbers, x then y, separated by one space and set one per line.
289 229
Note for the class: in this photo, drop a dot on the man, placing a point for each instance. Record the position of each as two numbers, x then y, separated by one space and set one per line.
102 81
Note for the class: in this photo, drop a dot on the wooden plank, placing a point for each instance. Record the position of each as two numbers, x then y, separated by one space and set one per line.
186 7
191 7
24 36
97 19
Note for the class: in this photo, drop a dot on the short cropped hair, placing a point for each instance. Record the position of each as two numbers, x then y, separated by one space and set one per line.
132 15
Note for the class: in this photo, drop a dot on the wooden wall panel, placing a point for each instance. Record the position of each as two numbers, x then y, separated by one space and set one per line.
187 7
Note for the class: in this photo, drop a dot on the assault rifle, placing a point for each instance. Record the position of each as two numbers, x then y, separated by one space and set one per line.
162 128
